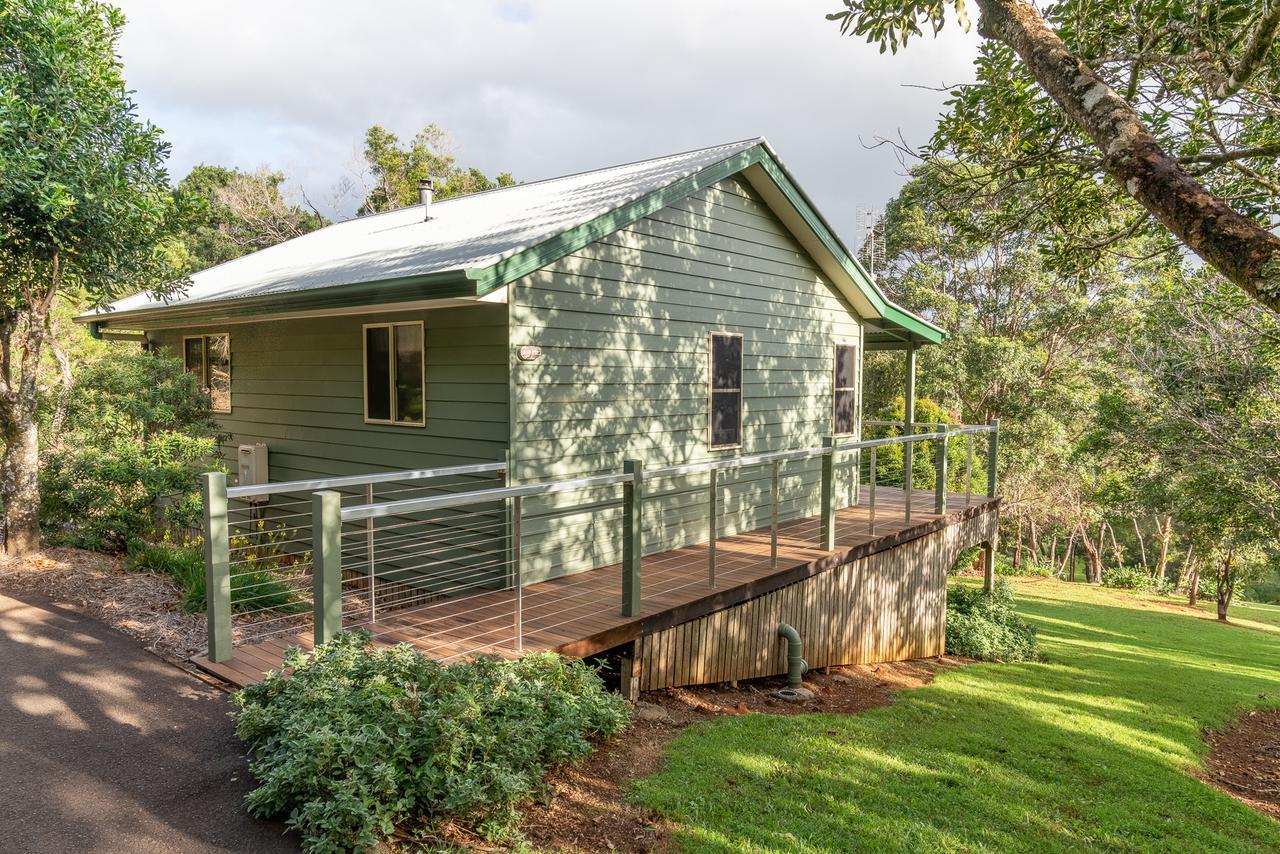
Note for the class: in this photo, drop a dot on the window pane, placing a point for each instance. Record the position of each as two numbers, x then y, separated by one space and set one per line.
193 357
726 361
844 411
726 418
377 373
218 368
409 373
846 365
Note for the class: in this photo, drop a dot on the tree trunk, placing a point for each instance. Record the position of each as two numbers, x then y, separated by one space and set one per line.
1116 551
1226 585
1017 548
1142 545
1193 580
1053 552
1166 534
1036 557
1243 251
19 470
1093 567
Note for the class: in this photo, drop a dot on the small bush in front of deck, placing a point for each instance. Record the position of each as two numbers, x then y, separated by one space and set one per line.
984 625
360 740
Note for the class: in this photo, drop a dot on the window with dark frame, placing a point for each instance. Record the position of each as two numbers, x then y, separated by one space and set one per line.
394 374
208 357
725 363
844 389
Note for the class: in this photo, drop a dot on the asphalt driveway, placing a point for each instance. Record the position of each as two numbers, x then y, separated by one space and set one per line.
105 747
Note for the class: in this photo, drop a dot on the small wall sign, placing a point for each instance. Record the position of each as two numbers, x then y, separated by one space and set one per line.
528 352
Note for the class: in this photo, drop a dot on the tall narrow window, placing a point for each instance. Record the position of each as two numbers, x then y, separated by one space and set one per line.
209 358
394 378
725 364
844 389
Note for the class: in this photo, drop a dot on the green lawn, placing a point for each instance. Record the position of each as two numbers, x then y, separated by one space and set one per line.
1093 748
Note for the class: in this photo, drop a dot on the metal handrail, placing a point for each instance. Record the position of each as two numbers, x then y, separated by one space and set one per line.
359 512
257 489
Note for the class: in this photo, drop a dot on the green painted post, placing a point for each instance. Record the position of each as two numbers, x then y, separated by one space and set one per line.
940 471
827 527
993 443
909 391
217 565
326 563
632 537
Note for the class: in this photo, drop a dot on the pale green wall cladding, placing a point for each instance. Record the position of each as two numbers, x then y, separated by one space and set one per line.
623 327
296 385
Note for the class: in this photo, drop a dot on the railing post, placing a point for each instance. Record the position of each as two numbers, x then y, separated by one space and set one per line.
326 563
993 443
940 471
517 574
711 542
632 536
773 522
968 468
827 524
908 454
368 546
217 565
871 476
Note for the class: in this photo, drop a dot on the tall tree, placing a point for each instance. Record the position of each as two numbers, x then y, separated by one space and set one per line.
394 170
1176 101
85 207
238 213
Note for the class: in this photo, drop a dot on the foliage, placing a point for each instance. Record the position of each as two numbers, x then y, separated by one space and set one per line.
985 625
359 740
1202 77
396 169
137 428
254 589
85 206
1098 748
238 212
1134 578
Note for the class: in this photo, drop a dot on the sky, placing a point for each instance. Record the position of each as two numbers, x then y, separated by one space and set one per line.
537 88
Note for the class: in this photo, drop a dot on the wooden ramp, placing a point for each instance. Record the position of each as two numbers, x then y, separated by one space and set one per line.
580 614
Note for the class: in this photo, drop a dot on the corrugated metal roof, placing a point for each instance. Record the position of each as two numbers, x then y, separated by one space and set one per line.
463 233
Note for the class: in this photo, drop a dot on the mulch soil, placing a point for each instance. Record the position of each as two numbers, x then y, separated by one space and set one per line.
1244 760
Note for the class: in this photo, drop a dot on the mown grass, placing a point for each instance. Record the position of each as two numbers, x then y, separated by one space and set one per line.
1094 748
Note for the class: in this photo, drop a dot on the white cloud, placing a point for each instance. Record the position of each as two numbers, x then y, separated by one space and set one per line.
535 88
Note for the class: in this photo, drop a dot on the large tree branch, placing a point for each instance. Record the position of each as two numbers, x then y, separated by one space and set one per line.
1255 52
1235 245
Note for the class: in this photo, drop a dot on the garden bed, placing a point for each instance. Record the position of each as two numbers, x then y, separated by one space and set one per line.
1244 760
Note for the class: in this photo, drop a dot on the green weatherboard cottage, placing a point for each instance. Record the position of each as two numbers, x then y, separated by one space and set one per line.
672 310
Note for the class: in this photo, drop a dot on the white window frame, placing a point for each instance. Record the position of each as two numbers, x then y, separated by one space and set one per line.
391 370
742 396
204 364
857 374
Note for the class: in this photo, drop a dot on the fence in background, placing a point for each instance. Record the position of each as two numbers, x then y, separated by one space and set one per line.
441 558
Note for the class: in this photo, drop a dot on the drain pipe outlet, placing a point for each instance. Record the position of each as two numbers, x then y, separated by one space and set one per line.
796 665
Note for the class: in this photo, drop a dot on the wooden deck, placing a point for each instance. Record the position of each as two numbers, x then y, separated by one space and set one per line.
580 614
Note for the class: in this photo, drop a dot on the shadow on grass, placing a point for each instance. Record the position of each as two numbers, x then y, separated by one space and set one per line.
1092 748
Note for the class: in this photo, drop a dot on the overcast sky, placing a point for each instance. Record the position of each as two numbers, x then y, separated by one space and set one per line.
535 87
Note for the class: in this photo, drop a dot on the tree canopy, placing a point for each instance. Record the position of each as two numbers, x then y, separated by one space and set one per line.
395 169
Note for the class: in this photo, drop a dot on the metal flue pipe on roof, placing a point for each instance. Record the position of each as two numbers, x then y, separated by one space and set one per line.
426 188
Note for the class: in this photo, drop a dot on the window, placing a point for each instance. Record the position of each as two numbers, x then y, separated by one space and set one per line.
209 358
394 374
725 364
844 389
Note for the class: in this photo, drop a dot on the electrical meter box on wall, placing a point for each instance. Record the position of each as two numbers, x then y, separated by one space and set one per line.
252 468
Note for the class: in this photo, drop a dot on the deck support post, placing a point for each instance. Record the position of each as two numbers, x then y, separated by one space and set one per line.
711 541
993 444
629 671
827 523
940 471
909 391
773 519
632 536
872 490
217 565
988 567
326 563
517 570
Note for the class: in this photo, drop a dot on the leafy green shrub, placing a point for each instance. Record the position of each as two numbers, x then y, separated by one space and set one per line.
1134 578
984 625
251 590
137 427
359 740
